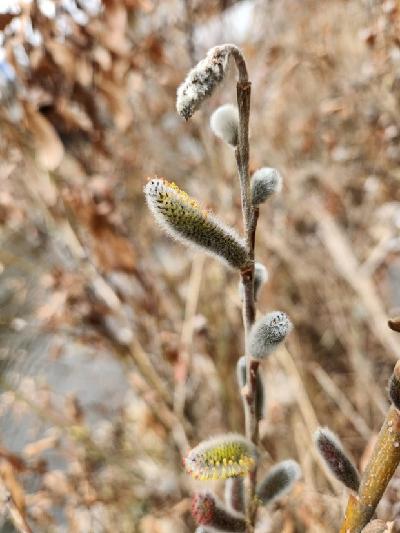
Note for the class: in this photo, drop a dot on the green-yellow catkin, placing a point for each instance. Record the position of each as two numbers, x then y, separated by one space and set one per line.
221 457
182 217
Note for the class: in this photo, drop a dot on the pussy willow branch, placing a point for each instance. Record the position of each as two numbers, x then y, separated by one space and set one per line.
250 216
381 466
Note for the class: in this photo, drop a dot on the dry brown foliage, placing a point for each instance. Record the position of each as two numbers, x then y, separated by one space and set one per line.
102 319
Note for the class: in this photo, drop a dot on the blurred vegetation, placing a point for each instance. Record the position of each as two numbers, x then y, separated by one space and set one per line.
100 316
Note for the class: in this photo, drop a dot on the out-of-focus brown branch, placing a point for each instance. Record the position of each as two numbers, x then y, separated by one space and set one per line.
382 465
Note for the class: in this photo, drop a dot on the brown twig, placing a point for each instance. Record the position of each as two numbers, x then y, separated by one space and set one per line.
250 216
380 468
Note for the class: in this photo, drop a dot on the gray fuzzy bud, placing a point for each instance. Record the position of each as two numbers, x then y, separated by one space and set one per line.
201 81
265 182
260 387
260 278
224 122
268 333
234 494
279 481
183 218
332 451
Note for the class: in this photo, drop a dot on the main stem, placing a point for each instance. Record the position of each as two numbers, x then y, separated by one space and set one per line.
250 216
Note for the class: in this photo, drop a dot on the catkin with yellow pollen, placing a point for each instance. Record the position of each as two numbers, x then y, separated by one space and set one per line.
221 457
182 217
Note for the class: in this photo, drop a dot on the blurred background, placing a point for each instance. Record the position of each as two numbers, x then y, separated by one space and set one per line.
102 317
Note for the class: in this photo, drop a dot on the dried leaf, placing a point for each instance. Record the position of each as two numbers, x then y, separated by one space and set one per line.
49 148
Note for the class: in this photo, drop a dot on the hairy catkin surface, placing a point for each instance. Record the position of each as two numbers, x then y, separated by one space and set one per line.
221 457
183 218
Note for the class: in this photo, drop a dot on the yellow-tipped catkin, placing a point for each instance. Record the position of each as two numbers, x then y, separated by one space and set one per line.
182 217
221 457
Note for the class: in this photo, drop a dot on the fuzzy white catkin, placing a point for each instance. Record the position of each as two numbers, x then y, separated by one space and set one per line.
201 81
267 334
224 123
265 182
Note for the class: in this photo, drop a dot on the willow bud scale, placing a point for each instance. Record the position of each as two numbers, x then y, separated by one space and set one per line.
182 217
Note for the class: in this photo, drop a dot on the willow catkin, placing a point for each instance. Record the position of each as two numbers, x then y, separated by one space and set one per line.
201 81
224 123
332 452
268 333
182 217
279 481
208 511
221 457
265 182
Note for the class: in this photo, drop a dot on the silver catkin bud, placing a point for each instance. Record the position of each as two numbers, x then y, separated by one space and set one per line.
201 81
208 511
183 218
234 494
279 481
224 122
268 333
265 182
260 278
332 452
260 387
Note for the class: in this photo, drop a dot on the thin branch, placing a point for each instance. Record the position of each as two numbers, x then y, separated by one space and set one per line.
250 223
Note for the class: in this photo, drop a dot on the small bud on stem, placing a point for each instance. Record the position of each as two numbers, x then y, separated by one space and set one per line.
268 333
207 511
224 123
279 480
265 182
